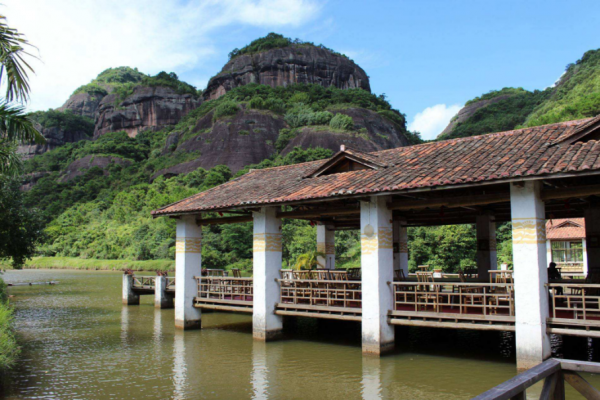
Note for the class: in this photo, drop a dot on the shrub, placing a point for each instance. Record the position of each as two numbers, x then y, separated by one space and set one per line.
243 132
342 121
285 135
275 105
321 118
257 103
225 109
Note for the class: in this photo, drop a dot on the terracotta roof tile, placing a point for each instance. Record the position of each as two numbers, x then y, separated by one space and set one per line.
560 229
518 153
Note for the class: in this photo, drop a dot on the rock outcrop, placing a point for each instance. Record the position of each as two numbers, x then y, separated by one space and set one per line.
83 104
146 108
467 111
286 66
80 166
250 136
55 137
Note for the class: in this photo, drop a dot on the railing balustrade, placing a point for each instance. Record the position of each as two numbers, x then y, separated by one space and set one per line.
170 283
144 282
573 304
456 298
226 293
325 293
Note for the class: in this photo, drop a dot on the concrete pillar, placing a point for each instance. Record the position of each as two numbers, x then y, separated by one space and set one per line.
267 264
188 264
592 237
531 274
400 232
486 246
377 263
326 245
162 299
585 257
130 298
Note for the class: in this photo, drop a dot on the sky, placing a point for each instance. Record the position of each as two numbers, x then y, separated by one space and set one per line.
428 57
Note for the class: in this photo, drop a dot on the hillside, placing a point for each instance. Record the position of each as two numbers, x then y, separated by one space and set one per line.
154 140
576 95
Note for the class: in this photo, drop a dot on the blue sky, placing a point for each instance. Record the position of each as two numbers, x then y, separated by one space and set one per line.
428 57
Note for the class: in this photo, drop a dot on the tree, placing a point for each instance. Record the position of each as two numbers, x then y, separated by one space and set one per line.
15 125
20 227
309 260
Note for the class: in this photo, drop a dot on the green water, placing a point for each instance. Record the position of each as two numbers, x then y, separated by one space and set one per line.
79 342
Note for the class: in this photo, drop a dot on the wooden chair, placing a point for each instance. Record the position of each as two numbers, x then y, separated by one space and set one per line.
424 297
423 268
355 274
236 272
215 272
399 275
504 294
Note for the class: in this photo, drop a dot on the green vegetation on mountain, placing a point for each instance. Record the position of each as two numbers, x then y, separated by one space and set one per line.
109 79
274 41
66 121
576 95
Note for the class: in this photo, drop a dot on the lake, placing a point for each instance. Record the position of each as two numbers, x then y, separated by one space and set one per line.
79 342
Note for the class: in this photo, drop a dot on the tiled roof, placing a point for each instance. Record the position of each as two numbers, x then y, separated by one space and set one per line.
560 229
487 158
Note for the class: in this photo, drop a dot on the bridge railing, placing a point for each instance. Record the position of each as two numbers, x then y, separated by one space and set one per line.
574 306
225 293
170 283
144 282
554 372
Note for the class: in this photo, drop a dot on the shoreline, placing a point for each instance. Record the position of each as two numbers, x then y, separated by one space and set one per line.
94 264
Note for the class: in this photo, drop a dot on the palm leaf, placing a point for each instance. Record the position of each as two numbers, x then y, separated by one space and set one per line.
14 68
10 161
15 125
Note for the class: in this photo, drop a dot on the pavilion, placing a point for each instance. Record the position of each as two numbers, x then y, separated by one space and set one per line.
525 176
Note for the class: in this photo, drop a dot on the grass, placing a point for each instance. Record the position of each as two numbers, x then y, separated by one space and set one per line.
9 348
93 264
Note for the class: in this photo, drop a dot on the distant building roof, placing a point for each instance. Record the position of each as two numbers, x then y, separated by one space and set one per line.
561 229
537 152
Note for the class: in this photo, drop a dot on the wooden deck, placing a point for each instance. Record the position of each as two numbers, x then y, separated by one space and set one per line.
146 284
224 293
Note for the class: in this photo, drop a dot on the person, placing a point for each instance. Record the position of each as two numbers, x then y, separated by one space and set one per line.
554 273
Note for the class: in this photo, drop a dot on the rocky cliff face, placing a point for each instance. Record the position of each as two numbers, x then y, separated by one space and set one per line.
83 104
250 136
80 166
286 66
55 137
467 111
147 107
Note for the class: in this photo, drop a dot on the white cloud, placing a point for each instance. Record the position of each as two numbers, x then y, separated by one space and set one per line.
432 120
77 39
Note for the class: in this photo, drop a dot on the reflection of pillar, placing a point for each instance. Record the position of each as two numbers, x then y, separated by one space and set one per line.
585 257
129 296
326 245
260 379
188 264
486 246
157 329
400 246
531 275
162 298
371 378
377 264
179 367
267 263
592 237
124 324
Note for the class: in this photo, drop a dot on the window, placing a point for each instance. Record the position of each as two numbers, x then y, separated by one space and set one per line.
567 252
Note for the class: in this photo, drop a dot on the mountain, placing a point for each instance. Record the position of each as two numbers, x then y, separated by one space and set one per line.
575 95
278 61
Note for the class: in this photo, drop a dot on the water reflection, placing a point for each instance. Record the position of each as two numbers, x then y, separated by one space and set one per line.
260 380
124 324
158 334
371 378
179 366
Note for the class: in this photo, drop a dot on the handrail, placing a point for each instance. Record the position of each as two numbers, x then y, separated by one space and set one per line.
317 281
443 283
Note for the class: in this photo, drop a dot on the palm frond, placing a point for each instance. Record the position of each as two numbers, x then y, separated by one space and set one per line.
11 162
14 66
15 125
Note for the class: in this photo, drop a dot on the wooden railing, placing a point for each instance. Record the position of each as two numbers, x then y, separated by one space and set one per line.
224 293
320 298
574 306
555 373
454 305
170 283
144 282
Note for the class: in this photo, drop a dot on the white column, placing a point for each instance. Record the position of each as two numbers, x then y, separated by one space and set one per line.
377 265
592 237
188 264
400 246
267 264
162 299
129 296
585 257
531 275
326 245
486 246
